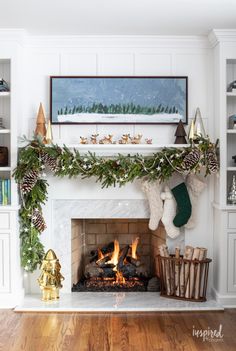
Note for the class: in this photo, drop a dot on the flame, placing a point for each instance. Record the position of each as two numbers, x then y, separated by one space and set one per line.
100 254
120 278
114 260
115 255
134 248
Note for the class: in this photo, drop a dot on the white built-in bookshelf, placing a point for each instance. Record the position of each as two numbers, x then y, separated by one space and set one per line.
224 213
5 134
231 133
10 284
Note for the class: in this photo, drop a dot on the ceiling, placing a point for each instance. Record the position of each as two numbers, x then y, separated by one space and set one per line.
118 17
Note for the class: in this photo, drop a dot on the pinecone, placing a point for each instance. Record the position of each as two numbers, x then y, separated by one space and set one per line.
50 162
191 159
38 220
29 181
212 162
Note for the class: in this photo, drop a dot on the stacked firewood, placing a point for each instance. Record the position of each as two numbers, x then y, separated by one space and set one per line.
184 276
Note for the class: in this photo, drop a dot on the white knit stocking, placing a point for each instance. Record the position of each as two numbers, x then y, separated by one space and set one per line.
152 191
195 186
169 213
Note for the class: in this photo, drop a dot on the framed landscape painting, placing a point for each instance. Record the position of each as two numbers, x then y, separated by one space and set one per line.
118 100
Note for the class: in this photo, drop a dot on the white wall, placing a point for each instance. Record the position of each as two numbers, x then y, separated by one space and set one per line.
117 56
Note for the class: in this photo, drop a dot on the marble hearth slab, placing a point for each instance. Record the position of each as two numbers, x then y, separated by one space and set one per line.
114 302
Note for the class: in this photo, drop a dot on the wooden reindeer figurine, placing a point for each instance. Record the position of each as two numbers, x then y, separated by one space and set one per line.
136 139
107 139
124 139
83 140
94 139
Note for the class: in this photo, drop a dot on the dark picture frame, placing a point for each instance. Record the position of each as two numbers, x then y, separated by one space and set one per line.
118 99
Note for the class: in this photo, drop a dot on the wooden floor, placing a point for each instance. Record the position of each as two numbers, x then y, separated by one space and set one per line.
114 332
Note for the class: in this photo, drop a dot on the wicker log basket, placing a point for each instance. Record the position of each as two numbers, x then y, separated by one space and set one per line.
183 279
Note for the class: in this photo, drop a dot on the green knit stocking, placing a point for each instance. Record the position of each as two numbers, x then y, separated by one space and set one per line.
184 207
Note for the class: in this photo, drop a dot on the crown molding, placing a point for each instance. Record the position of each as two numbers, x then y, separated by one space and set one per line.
125 41
217 36
21 36
13 35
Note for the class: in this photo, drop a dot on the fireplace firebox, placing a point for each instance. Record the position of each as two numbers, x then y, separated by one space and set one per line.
115 255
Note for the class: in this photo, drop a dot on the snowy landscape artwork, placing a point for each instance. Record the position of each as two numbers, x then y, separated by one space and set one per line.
118 100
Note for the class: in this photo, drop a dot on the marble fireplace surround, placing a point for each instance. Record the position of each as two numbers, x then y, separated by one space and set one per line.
63 211
66 210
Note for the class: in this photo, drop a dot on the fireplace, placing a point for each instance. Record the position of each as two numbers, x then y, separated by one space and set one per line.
82 226
115 255
78 228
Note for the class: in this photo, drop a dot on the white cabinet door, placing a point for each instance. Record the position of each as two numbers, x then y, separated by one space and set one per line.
231 262
4 262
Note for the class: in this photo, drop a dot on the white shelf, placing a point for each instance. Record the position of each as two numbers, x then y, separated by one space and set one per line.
122 146
5 169
231 168
224 207
111 149
230 207
231 94
5 93
5 131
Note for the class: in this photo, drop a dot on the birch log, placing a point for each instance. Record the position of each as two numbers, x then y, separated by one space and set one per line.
177 270
192 274
184 271
202 256
165 267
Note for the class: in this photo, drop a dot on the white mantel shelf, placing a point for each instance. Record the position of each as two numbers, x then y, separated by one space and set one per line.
112 149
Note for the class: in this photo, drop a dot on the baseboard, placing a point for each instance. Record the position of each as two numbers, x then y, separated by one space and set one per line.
9 300
227 301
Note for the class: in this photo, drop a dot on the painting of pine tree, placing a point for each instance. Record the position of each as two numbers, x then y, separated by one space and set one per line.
109 100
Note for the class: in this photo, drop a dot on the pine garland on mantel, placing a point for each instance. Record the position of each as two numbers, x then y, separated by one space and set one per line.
36 158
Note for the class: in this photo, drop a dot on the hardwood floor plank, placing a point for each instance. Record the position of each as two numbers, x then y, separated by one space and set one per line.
115 332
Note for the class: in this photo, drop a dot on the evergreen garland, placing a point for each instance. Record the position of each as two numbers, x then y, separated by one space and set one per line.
119 170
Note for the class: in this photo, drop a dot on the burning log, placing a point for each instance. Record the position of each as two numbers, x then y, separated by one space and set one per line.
122 257
102 261
104 250
128 270
107 265
133 261
108 272
93 270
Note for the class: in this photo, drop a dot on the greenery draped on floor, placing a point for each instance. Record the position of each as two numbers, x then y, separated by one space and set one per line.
35 158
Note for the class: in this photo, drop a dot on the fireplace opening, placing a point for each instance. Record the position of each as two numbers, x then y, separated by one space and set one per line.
115 255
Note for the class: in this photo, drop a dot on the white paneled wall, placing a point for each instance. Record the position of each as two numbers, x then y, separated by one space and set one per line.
113 57
153 64
132 59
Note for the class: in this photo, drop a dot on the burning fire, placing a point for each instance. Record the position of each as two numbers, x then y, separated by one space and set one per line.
120 279
100 254
117 255
134 248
